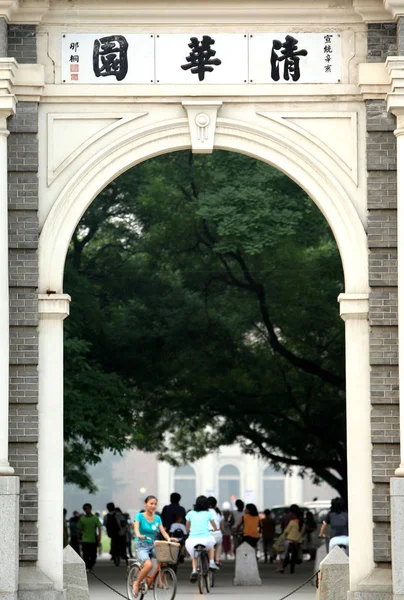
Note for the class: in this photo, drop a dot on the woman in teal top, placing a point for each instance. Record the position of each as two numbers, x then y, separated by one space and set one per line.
147 526
200 526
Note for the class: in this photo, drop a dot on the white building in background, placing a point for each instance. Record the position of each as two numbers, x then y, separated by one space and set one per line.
229 474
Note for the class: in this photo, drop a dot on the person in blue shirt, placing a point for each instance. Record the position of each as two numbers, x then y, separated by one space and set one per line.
200 525
147 526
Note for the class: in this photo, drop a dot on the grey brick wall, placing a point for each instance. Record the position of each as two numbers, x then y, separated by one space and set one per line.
400 36
23 278
22 43
3 38
382 41
382 242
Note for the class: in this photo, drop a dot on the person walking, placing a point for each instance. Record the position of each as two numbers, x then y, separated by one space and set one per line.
74 534
217 517
89 530
65 529
226 544
250 523
116 530
130 532
235 520
292 537
99 549
268 535
172 511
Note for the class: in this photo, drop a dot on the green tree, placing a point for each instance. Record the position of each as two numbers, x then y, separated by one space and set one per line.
206 314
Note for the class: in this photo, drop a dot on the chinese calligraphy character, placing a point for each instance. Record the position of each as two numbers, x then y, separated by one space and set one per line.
74 46
291 57
327 53
110 57
74 58
201 56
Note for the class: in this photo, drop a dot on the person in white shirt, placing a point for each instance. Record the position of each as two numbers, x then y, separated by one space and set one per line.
217 517
198 522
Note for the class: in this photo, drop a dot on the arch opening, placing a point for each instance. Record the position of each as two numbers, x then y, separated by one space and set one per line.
320 182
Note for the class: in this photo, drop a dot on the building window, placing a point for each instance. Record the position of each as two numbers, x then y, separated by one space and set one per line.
185 484
274 488
229 484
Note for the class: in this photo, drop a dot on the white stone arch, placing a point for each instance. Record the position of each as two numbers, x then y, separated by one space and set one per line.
323 178
273 145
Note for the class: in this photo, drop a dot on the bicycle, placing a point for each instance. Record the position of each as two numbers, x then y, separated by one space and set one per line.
202 567
164 588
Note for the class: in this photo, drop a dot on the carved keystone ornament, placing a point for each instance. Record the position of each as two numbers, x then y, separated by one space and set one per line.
202 124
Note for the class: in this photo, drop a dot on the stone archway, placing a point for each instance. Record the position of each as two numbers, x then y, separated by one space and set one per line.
307 163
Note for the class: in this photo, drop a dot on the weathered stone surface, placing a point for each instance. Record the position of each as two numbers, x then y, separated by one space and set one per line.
74 576
9 492
246 571
334 576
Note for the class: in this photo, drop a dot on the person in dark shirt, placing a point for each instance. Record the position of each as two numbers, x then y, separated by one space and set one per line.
172 511
337 519
74 534
268 535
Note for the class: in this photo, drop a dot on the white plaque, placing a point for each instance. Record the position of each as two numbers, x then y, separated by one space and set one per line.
186 58
303 57
108 58
199 59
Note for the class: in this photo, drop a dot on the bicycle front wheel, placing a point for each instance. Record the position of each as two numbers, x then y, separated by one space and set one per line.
165 584
133 574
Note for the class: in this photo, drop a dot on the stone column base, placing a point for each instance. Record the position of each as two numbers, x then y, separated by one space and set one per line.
376 586
33 584
397 528
9 538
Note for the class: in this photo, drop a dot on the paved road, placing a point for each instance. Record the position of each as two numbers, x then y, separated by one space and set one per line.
274 585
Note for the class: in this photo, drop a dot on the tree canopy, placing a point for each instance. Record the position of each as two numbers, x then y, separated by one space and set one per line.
204 312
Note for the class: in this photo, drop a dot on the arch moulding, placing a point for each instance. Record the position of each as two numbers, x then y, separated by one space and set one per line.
307 164
316 171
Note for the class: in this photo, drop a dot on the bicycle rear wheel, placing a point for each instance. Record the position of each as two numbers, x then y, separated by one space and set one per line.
165 584
199 567
206 573
212 578
133 573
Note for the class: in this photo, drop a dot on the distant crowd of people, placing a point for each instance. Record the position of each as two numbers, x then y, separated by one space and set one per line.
221 531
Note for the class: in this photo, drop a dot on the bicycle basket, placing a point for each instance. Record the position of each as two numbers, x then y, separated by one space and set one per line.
166 552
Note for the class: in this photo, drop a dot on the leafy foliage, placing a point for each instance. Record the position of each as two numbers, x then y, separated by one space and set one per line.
204 312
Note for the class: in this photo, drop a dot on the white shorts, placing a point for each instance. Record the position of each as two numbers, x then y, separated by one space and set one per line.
218 536
338 540
190 543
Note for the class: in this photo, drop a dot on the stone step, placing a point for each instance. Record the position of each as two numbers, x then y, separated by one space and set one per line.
379 580
31 578
370 595
42 594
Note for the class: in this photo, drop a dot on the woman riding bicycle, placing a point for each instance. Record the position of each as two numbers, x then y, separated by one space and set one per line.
198 522
147 526
337 518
